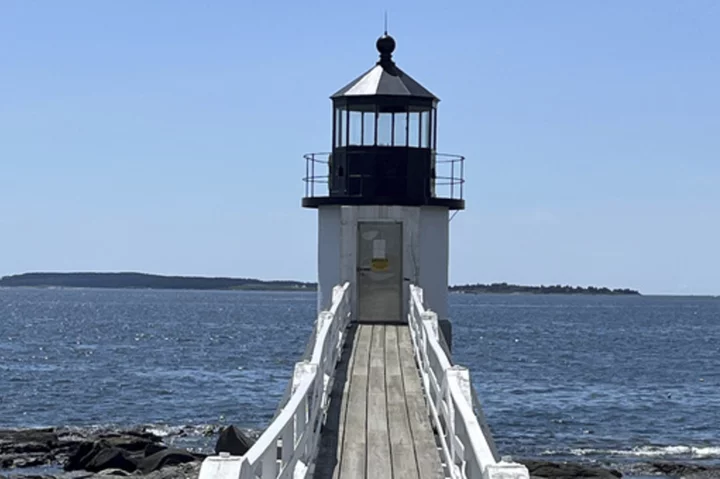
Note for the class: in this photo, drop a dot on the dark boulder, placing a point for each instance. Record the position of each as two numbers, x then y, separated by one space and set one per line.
132 443
111 458
86 455
233 440
152 448
26 441
166 457
81 456
187 470
565 470
679 469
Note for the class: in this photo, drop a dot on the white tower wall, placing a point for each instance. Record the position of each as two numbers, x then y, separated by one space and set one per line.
329 253
434 258
425 250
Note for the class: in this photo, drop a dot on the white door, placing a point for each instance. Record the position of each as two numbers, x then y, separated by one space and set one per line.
379 272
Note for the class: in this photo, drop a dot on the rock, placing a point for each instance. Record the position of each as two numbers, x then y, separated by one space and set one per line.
564 470
112 472
111 458
30 461
134 445
88 453
189 470
102 454
683 470
13 441
80 457
676 469
233 440
167 457
127 442
152 448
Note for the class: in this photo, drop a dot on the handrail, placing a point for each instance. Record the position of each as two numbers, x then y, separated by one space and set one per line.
467 447
287 448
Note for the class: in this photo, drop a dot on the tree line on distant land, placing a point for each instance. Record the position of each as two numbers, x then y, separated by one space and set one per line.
146 281
554 289
154 281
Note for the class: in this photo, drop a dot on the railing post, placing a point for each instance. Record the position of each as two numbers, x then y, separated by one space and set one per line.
307 175
337 293
430 319
506 470
460 375
222 465
452 178
302 370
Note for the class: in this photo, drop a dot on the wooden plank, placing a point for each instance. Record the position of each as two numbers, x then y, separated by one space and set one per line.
352 464
379 463
404 462
426 452
327 465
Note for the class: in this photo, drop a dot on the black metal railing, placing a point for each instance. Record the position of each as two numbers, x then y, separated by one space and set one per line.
317 174
448 175
449 178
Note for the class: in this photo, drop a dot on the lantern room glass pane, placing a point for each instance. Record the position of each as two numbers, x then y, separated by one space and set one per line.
414 129
384 129
342 141
337 115
368 128
400 126
356 126
426 128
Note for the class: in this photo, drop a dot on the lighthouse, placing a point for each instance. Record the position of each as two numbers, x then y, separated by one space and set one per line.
384 195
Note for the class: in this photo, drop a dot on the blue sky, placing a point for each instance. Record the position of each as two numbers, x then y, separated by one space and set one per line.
167 136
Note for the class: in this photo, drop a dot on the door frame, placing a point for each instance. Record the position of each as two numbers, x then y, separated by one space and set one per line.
401 275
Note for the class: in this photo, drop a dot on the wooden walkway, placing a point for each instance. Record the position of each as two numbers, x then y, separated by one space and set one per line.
377 425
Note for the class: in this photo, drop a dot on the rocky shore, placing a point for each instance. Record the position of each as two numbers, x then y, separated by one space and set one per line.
64 453
71 453
660 469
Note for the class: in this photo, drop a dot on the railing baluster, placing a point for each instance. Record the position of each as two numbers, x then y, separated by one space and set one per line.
288 442
269 462
452 178
313 176
307 174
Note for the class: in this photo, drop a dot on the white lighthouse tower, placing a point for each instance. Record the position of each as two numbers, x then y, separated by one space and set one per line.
383 217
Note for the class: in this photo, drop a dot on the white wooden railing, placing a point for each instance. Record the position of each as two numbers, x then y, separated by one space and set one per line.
288 447
465 440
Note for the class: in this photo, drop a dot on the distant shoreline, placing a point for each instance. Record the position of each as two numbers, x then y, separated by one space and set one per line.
148 281
505 288
154 281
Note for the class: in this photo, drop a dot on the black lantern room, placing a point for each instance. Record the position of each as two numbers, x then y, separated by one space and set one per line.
384 145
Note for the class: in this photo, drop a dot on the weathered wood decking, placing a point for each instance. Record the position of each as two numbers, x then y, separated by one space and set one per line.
377 425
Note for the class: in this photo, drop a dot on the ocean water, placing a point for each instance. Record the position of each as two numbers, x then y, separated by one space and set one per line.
609 380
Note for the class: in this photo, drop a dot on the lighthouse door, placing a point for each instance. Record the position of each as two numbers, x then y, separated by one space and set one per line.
379 272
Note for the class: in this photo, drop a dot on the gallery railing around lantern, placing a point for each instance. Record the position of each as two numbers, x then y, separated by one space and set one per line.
384 176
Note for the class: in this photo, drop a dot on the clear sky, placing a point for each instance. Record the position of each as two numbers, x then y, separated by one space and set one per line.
167 136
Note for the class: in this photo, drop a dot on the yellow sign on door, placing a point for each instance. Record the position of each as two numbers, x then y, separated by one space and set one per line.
380 264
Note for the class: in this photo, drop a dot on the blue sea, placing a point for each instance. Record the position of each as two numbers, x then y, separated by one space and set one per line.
618 381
